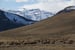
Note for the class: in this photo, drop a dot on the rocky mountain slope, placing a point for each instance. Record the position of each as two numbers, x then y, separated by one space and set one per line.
10 20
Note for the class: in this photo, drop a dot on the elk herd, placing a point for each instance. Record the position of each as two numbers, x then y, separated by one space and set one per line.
35 42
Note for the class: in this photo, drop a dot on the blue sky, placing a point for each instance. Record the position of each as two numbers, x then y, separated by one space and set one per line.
49 5
14 4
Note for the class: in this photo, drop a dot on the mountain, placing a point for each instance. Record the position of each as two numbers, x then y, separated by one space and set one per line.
16 12
18 19
67 9
61 24
33 14
10 20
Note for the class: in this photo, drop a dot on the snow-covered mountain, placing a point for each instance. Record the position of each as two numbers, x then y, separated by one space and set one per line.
18 19
16 12
33 14
13 19
10 20
68 9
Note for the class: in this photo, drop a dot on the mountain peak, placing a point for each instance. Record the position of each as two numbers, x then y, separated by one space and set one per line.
33 14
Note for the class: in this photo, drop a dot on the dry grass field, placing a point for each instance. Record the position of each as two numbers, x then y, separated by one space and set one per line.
56 33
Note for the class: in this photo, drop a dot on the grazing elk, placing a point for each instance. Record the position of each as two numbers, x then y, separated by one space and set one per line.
29 42
53 41
14 43
47 41
71 42
1 43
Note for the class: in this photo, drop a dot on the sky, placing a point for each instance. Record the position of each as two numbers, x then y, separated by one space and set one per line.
47 5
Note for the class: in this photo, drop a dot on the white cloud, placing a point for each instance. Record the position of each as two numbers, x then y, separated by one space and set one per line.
21 0
33 6
50 5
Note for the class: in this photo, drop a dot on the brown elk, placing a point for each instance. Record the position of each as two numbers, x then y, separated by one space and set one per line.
1 43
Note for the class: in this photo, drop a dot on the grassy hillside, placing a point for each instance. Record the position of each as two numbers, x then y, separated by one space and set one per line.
58 30
60 23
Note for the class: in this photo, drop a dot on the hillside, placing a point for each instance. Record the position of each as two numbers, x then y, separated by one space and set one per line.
59 23
5 23
57 31
10 21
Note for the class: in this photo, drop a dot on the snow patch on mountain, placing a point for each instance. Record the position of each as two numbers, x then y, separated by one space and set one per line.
67 9
70 7
33 14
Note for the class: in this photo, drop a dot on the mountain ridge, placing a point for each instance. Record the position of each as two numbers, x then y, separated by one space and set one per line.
10 21
33 14
67 9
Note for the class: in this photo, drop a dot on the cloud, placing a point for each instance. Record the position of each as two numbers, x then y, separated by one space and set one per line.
50 5
21 0
33 6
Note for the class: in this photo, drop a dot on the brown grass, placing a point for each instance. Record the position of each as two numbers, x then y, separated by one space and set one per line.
59 27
